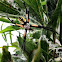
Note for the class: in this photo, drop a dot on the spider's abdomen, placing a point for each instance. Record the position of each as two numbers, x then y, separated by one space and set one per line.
22 20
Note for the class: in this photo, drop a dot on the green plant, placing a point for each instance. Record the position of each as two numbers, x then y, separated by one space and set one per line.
40 15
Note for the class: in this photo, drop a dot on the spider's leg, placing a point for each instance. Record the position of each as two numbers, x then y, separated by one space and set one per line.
47 28
37 26
27 16
27 13
19 25
31 29
8 17
23 44
10 20
15 23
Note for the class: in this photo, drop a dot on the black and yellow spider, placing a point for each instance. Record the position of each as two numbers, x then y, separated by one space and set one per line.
24 23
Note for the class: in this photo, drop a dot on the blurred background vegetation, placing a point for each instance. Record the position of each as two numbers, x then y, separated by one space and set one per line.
42 12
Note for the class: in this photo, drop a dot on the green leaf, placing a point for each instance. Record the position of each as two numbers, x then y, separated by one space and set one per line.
6 56
1 26
10 37
43 3
38 54
3 34
29 45
0 56
61 24
35 6
36 34
10 28
61 8
20 40
8 21
15 44
4 6
4 37
45 47
55 15
4 20
20 4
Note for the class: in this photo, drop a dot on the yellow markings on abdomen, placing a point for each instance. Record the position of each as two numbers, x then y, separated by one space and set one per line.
21 20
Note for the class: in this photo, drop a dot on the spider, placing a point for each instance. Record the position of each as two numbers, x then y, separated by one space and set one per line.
24 23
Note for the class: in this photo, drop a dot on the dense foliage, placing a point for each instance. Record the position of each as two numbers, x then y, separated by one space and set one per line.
42 12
